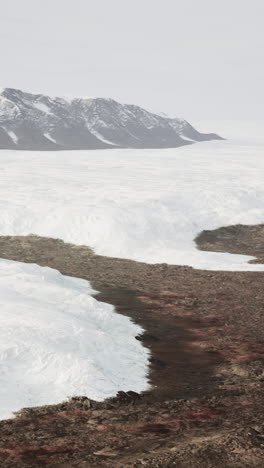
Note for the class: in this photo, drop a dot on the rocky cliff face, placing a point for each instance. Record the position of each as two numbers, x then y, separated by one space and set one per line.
39 122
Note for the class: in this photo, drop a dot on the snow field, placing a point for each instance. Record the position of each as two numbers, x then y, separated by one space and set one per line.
146 205
57 341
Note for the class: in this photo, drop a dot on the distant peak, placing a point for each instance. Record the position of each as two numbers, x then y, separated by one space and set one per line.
34 121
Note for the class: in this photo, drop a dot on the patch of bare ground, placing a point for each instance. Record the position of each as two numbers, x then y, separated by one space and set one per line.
205 332
237 239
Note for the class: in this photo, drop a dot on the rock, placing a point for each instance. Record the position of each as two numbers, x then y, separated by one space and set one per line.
134 395
101 427
92 421
97 413
106 452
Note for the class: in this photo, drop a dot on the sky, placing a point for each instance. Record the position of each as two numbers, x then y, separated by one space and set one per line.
197 59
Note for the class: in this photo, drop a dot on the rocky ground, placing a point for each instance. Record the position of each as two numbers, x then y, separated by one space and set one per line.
205 332
238 239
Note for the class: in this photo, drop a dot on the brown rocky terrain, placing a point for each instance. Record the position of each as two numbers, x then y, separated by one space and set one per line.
205 332
238 239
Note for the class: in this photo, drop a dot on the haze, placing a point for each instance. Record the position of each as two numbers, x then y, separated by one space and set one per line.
202 60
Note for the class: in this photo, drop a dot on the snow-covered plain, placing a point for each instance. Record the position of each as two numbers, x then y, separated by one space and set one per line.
57 341
147 205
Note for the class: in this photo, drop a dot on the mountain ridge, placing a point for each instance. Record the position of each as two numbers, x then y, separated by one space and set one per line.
40 122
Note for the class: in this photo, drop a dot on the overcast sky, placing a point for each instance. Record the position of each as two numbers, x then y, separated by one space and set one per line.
198 59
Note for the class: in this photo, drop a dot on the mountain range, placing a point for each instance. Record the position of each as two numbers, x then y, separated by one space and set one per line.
39 122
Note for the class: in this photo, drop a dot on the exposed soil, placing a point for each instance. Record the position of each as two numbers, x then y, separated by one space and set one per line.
238 239
205 332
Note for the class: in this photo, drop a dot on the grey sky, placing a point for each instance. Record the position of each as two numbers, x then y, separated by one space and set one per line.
200 59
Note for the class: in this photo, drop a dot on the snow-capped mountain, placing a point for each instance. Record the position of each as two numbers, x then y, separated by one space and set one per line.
39 122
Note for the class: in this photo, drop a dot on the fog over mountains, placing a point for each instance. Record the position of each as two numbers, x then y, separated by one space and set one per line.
38 122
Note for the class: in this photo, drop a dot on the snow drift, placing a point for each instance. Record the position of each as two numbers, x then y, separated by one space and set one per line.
56 341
